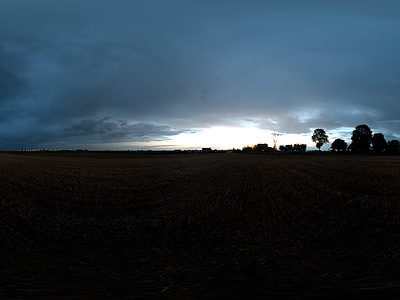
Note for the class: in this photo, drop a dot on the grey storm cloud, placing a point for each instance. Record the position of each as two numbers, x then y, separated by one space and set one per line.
10 84
75 68
118 129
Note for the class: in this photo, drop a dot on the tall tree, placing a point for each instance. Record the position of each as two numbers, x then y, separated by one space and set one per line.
339 145
362 138
275 136
320 138
378 143
393 147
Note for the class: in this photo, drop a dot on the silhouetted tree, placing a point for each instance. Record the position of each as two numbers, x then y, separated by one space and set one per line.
339 145
286 148
320 138
351 148
289 147
393 147
378 143
362 138
275 136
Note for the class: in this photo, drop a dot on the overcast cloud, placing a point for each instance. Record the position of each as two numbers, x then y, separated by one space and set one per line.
76 72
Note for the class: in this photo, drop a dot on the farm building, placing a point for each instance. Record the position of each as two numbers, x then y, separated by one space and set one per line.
206 150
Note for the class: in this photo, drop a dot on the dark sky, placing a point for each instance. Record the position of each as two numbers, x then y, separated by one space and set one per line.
112 74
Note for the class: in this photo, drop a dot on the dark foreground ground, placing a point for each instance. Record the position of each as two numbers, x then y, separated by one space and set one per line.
192 226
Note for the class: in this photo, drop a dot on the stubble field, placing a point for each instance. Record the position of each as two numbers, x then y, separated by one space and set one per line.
198 225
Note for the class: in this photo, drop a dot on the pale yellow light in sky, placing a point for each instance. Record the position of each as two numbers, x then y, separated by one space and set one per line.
216 138
228 138
223 138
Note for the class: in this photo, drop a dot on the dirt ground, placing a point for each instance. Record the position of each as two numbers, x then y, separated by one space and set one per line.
198 226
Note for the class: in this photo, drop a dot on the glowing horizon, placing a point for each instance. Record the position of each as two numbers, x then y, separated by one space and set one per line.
220 138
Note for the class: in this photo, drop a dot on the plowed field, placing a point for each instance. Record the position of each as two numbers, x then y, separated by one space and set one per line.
198 225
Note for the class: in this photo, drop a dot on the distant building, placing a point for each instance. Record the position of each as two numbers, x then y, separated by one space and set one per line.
262 145
262 148
206 150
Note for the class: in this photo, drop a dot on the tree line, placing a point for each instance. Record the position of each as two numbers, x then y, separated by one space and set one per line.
296 148
362 142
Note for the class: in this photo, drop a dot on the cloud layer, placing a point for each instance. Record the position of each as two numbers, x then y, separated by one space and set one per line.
72 70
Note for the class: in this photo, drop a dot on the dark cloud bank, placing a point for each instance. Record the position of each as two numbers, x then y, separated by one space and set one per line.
76 72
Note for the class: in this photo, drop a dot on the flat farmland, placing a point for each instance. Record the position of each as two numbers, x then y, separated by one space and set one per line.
198 225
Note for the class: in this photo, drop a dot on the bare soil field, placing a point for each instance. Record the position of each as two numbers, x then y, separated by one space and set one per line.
198 225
